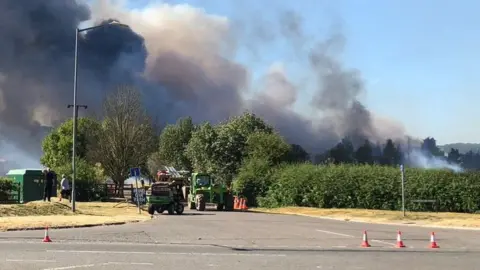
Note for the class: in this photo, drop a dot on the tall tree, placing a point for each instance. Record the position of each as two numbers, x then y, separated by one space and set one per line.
297 154
364 153
343 152
230 146
173 142
57 145
126 137
454 156
201 148
391 155
270 147
429 146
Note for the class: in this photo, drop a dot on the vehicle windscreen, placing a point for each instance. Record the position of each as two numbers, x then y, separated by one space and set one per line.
203 180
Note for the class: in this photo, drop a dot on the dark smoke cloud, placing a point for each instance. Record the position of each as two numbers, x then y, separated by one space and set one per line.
182 60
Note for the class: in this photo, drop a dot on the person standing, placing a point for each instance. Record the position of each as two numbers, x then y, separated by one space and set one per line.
49 177
65 186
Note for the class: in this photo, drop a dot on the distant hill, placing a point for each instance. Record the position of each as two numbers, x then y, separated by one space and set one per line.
462 147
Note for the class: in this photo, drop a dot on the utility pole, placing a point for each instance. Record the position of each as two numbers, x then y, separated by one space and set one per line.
75 117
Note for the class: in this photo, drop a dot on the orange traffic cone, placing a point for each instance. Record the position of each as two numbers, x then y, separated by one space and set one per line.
399 240
244 204
433 243
365 240
236 203
47 239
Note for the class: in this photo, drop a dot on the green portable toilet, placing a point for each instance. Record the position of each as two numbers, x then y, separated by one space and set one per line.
31 183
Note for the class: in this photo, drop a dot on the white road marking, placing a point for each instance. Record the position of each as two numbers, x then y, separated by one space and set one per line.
100 243
170 253
17 260
71 267
383 242
126 263
100 251
335 233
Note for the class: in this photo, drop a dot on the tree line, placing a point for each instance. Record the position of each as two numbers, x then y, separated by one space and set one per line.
241 147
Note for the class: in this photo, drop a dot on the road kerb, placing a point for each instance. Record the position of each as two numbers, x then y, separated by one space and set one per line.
407 224
71 226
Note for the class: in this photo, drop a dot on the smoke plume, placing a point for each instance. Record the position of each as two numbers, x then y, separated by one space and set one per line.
184 62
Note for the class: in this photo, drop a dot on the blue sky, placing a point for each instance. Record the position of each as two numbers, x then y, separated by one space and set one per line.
419 58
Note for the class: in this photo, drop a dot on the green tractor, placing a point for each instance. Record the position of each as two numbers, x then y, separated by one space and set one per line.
203 191
165 194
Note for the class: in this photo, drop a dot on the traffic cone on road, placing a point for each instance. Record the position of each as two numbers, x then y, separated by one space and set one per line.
365 240
399 240
244 204
433 243
47 239
236 203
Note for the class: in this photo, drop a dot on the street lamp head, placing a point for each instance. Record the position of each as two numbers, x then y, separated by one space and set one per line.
115 22
110 22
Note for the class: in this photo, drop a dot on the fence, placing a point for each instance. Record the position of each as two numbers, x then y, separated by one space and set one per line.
85 192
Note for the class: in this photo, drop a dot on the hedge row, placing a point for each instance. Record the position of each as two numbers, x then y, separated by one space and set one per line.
371 187
7 189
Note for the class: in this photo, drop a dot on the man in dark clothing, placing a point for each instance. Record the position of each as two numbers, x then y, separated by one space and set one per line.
49 179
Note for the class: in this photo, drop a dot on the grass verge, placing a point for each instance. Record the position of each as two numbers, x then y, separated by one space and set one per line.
59 214
382 216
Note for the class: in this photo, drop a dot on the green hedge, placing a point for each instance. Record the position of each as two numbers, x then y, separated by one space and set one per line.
371 187
8 190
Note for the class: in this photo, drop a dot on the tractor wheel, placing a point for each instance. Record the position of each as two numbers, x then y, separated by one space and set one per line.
171 209
220 207
200 203
160 210
151 210
180 209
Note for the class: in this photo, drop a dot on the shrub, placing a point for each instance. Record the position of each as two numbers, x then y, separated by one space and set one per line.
7 188
253 179
371 187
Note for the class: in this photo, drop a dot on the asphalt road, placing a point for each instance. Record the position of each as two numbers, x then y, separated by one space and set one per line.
232 240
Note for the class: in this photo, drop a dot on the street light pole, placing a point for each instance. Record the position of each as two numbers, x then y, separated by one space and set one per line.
75 106
75 126
75 110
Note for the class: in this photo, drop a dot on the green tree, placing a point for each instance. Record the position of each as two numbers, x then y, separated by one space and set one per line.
57 146
173 142
391 155
454 156
84 170
230 146
270 147
429 146
297 154
201 148
343 152
126 137
253 179
364 153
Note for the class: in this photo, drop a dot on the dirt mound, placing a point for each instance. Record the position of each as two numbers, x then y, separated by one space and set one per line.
37 208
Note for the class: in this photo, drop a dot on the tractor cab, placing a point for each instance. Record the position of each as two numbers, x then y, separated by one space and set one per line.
202 180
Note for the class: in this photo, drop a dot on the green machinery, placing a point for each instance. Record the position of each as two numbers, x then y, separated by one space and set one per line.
202 191
165 194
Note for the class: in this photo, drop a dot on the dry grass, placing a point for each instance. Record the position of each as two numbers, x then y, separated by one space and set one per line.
381 216
56 214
